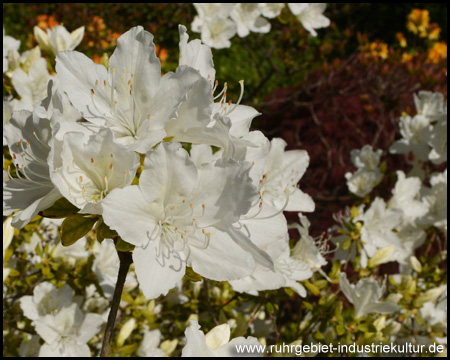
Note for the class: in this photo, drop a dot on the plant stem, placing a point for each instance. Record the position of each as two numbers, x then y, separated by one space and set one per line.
125 262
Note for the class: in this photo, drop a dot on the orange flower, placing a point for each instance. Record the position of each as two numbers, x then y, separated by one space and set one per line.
46 22
401 39
437 53
96 59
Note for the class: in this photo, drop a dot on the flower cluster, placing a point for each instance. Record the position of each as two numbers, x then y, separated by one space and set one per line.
220 213
114 158
218 23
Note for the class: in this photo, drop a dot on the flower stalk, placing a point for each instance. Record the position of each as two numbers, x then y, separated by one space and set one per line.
125 262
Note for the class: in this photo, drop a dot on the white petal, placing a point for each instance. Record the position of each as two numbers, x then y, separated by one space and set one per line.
78 76
218 336
223 259
158 268
169 175
130 214
195 342
196 55
135 54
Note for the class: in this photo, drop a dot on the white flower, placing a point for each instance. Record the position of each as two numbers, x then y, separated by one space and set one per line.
437 139
282 172
247 17
180 214
9 43
365 296
406 197
368 174
379 223
57 101
58 39
31 191
366 158
429 104
215 343
130 97
149 346
436 198
86 168
270 10
46 300
196 55
306 249
270 234
362 182
217 32
30 80
311 16
214 24
413 131
67 332
59 321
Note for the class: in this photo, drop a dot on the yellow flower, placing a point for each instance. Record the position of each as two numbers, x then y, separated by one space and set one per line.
433 31
418 21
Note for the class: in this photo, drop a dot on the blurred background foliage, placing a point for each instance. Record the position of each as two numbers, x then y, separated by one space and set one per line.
328 94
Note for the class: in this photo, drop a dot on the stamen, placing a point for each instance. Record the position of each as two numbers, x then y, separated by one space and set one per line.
241 82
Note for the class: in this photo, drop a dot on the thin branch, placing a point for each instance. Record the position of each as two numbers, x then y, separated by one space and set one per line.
125 262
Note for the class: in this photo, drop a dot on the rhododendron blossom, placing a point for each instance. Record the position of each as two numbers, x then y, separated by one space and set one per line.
182 215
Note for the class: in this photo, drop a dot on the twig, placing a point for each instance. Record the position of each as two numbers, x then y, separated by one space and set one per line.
125 262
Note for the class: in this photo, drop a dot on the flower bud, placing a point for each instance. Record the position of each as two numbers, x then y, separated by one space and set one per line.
428 296
382 256
415 264
126 331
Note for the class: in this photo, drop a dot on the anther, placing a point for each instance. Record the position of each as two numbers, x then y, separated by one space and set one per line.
92 160
110 166
92 92
96 82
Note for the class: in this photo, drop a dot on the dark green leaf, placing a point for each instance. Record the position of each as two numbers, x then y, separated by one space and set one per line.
75 227
60 209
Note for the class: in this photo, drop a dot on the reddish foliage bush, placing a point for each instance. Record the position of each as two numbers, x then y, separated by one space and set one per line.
341 107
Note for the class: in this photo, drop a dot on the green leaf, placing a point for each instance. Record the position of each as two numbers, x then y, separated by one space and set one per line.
289 291
241 328
340 330
104 232
346 244
60 209
269 307
75 227
311 288
192 275
122 245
